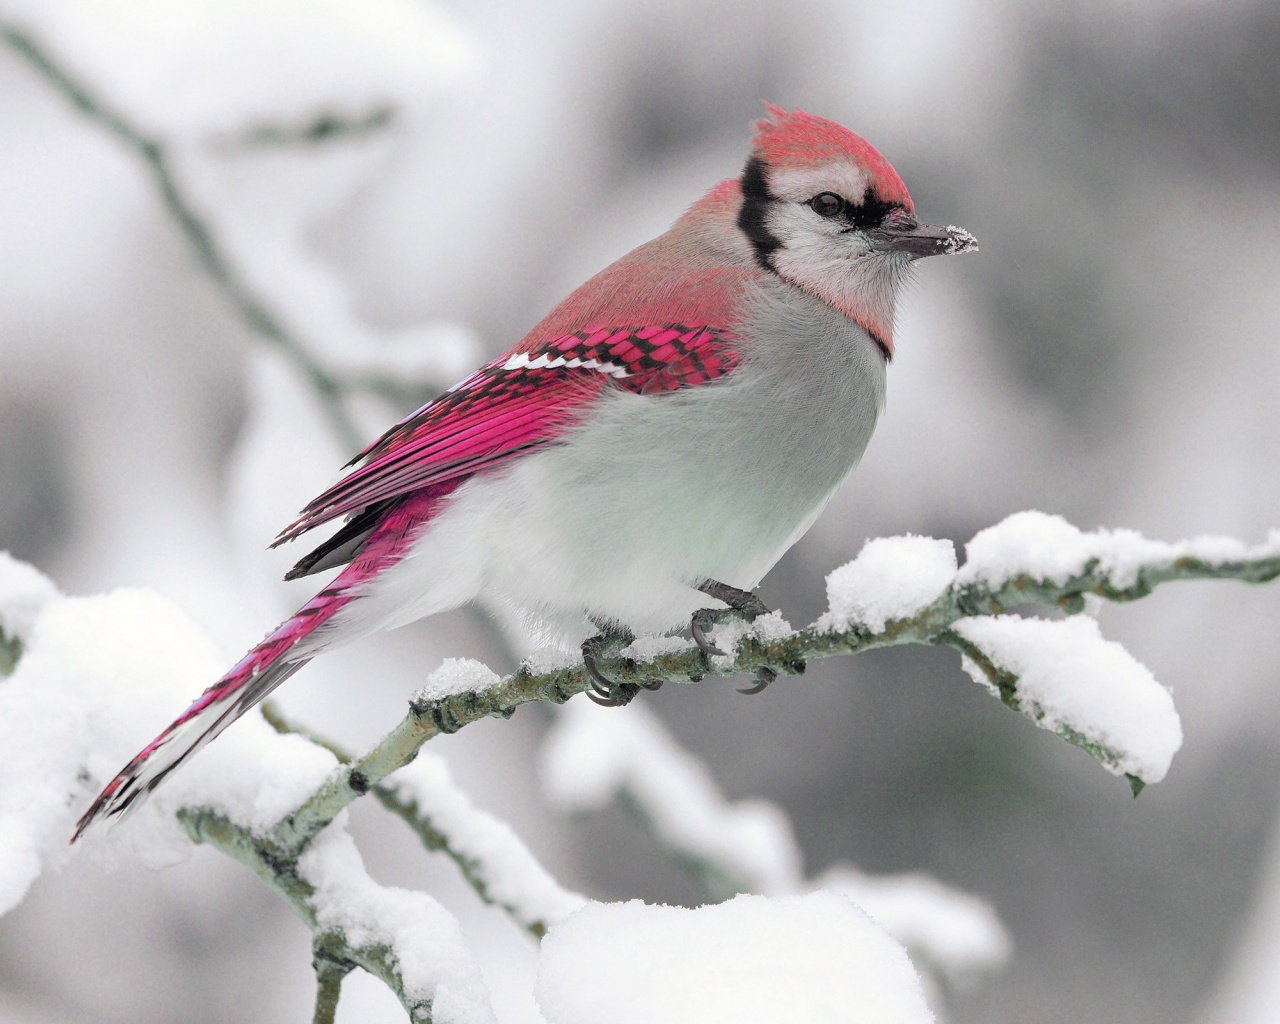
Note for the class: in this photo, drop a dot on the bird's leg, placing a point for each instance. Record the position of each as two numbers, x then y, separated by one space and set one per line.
742 604
746 603
607 644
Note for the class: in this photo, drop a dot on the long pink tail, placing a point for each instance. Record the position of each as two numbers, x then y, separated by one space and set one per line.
268 665
254 676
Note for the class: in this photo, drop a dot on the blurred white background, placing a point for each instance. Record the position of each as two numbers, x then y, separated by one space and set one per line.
1110 354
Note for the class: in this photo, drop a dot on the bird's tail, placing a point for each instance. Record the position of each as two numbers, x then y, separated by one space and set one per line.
281 654
295 642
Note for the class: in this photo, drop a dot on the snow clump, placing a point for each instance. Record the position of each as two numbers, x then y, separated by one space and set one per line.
752 960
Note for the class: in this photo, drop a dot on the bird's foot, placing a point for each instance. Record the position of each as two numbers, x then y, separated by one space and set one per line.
743 604
605 691
764 676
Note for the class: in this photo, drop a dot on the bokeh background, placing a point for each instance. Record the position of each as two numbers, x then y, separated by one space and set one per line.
1111 355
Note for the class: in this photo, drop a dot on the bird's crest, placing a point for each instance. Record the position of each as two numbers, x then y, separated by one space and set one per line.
799 139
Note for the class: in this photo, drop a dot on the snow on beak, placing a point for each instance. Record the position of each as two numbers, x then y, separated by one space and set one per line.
920 240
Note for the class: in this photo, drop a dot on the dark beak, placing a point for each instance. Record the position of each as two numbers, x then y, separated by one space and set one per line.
923 240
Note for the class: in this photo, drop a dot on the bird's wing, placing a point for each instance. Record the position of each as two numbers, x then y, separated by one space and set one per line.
520 401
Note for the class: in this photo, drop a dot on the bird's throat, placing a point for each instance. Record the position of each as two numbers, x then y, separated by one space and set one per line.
865 291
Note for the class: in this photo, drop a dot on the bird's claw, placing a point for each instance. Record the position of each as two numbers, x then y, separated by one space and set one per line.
764 676
743 604
703 620
604 691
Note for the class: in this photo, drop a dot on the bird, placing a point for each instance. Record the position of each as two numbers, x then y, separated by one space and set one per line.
662 436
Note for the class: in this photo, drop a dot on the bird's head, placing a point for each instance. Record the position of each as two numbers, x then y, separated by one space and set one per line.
827 212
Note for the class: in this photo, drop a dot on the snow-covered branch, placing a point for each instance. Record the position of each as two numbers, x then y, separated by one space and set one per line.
403 938
902 590
496 864
87 668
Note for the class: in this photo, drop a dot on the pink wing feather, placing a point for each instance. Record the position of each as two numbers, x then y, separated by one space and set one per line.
520 401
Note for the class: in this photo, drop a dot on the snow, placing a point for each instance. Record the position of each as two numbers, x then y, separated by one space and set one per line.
1048 547
646 648
100 676
728 635
752 960
205 77
550 659
892 578
23 593
456 675
511 874
595 754
770 627
896 577
955 933
1071 679
425 940
961 241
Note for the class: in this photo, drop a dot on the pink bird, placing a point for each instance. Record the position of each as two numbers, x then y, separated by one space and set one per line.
662 436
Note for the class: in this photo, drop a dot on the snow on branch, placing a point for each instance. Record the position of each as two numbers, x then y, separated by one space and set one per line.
492 858
596 755
403 938
1067 678
815 957
197 232
1010 566
91 673
96 672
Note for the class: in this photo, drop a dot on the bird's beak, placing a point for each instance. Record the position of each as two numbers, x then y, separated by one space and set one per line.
923 240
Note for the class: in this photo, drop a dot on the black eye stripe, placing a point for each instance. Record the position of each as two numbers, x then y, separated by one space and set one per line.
870 212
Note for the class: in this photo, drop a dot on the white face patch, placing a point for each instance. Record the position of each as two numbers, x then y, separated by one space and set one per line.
800 184
808 240
824 257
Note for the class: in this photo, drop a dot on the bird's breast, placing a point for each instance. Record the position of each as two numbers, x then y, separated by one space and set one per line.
715 481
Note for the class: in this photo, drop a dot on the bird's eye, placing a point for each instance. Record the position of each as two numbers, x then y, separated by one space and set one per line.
827 204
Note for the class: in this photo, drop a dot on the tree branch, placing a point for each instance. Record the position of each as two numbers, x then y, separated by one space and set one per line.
786 654
323 128
207 826
331 968
493 860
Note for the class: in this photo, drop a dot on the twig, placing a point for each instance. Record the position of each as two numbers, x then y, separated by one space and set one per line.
481 875
786 655
331 968
154 154
207 826
323 128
